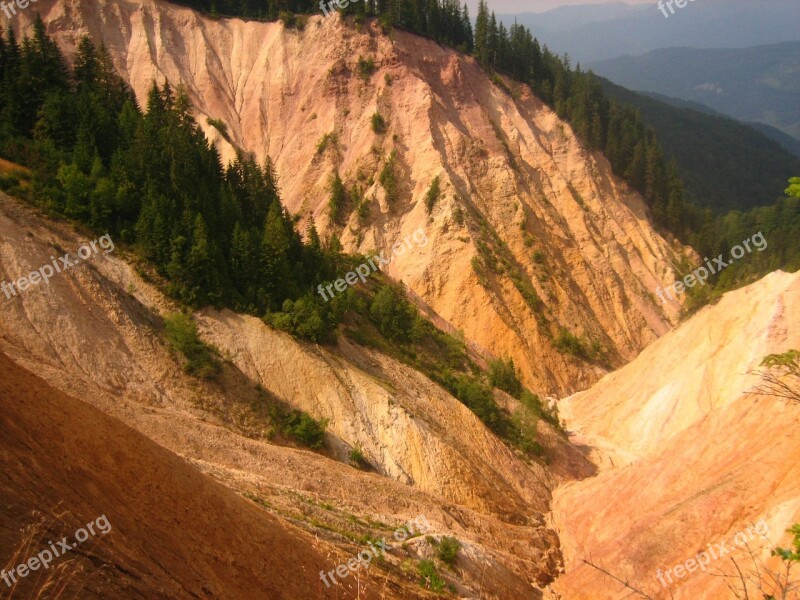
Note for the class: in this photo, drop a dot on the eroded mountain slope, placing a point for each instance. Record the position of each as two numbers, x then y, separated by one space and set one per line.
525 211
690 456
94 332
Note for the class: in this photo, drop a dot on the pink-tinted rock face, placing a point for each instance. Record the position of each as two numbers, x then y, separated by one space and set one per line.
689 456
506 163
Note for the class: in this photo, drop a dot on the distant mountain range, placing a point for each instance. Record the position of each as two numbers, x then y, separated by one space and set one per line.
594 32
760 84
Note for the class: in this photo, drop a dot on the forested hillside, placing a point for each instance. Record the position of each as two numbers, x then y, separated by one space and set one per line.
724 164
220 235
704 161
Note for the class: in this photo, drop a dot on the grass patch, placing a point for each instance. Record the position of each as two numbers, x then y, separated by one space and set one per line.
429 577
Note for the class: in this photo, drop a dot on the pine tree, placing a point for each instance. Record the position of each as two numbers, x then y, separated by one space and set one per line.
87 67
675 203
466 27
275 269
482 34
492 43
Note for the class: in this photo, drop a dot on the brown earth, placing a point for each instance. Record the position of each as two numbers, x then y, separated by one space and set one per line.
175 533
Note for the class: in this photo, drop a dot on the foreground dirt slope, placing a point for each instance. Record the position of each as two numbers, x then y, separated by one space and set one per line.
175 533
510 170
689 457
95 332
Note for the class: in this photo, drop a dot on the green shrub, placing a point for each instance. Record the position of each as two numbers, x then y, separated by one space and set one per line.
378 124
202 359
528 292
429 578
293 21
568 343
534 404
328 138
433 195
308 318
480 271
357 459
394 316
9 182
447 552
338 198
363 210
219 126
525 423
388 178
498 81
366 67
503 375
478 398
303 428
792 554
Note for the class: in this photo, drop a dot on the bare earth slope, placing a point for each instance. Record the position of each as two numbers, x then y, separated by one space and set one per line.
690 456
175 533
510 170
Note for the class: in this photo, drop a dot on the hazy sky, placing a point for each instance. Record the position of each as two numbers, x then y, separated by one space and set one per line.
519 6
